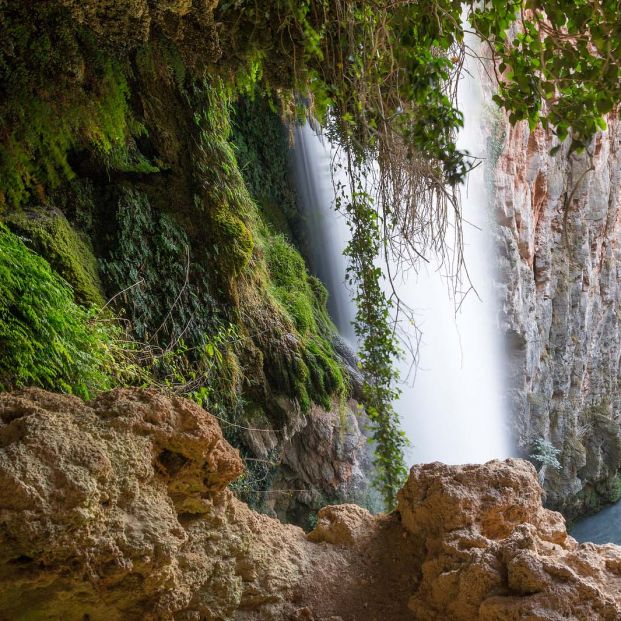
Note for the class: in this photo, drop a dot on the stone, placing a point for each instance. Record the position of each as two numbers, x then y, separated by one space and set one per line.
118 509
493 553
558 231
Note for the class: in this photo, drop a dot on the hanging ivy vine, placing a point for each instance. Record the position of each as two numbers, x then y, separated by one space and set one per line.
373 327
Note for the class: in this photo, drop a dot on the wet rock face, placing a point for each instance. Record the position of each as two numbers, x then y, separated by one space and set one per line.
118 509
190 23
323 456
328 459
559 232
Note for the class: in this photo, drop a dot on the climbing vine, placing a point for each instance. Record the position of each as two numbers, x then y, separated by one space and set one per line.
373 328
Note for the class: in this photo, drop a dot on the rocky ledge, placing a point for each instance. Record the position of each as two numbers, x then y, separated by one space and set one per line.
118 509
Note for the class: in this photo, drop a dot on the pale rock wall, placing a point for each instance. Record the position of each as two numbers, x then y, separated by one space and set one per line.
559 230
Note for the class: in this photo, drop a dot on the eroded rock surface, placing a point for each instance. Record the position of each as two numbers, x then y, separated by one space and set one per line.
118 509
493 553
559 233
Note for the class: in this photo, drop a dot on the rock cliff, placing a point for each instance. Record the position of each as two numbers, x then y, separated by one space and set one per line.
559 231
118 509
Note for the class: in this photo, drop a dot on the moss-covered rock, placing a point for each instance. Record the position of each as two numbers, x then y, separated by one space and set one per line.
289 277
69 251
233 243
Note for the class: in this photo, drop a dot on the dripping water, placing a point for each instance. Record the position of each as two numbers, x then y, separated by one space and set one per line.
326 229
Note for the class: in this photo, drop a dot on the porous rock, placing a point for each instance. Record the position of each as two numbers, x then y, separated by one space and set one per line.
118 509
493 553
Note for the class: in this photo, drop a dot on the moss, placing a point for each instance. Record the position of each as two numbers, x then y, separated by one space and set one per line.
317 375
47 339
595 496
34 154
233 243
612 490
49 234
261 143
326 375
290 282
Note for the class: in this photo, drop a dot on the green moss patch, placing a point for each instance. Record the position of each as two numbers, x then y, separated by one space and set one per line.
290 282
69 252
47 339
233 242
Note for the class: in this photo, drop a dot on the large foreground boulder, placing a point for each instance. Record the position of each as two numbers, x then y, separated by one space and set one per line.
118 509
492 552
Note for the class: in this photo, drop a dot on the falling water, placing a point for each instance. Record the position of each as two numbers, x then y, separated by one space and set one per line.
454 411
326 228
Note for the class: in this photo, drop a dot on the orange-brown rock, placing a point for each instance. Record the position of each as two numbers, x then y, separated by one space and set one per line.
118 509
493 553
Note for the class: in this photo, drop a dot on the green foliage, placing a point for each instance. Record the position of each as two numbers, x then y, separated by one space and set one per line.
148 266
299 360
325 373
545 453
561 65
62 92
383 68
208 373
304 299
225 201
380 68
233 242
614 489
291 284
595 496
50 235
126 158
41 133
46 339
215 158
382 75
379 345
261 143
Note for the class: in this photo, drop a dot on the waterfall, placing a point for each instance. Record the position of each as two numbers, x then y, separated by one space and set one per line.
454 410
326 228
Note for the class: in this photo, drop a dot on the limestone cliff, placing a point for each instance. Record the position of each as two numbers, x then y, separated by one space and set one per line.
559 232
118 509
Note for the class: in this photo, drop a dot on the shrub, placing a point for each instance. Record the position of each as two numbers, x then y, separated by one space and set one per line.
546 454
